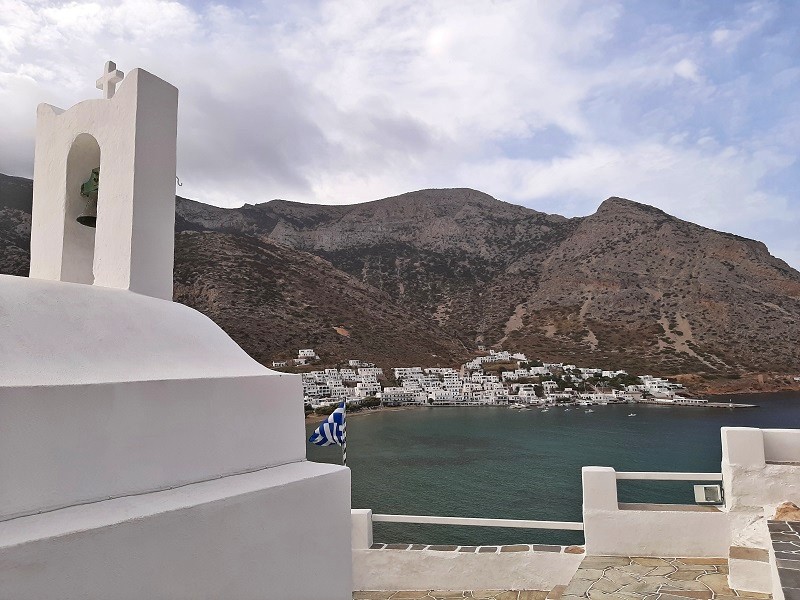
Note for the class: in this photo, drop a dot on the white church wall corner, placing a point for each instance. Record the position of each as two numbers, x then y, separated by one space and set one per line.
132 138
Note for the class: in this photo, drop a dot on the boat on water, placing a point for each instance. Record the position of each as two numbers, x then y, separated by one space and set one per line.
588 411
632 415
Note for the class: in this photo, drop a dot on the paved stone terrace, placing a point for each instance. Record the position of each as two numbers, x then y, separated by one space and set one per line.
434 595
786 544
632 578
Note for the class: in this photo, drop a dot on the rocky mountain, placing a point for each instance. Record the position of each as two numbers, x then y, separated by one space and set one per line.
628 286
270 298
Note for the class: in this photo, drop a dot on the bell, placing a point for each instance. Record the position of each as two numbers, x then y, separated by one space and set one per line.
89 215
89 190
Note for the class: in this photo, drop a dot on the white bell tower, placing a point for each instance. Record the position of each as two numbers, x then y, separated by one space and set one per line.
131 136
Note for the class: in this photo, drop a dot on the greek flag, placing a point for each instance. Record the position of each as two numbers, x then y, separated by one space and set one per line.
333 430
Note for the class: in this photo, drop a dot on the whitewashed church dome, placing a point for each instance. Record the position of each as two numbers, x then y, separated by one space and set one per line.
58 333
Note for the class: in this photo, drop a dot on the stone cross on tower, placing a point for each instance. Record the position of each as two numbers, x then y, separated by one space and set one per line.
111 77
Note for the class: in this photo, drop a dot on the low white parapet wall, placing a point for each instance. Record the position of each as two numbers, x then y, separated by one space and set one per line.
462 568
421 566
615 529
759 467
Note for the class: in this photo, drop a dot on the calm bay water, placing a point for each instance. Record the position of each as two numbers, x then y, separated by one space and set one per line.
502 463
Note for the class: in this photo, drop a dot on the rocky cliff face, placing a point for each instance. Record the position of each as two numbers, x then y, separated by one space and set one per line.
628 286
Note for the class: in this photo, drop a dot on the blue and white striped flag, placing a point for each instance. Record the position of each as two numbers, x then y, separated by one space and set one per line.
333 431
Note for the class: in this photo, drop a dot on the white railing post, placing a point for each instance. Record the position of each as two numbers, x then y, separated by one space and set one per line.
361 528
743 463
599 499
599 489
743 446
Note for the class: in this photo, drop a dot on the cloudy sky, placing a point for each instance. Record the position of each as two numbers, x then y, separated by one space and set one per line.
691 106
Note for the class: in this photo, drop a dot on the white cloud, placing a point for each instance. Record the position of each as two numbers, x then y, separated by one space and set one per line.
351 100
752 19
688 70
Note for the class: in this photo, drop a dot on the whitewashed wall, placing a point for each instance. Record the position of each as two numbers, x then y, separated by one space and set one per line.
433 569
754 486
610 530
280 533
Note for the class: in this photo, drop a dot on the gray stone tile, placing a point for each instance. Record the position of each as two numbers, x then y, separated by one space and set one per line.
692 586
600 562
578 587
532 595
790 594
620 577
648 561
546 548
665 570
590 574
785 556
695 595
784 547
789 564
515 548
606 585
636 569
790 578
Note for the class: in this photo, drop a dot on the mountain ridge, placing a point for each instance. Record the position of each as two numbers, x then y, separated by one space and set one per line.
628 286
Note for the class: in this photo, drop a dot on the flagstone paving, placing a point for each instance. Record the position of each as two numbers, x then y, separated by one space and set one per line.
434 595
614 578
632 578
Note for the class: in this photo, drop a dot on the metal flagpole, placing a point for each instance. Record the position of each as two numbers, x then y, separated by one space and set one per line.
344 434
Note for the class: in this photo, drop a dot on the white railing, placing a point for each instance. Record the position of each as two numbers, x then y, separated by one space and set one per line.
665 476
478 522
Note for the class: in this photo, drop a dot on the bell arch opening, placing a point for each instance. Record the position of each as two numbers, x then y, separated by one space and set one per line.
81 197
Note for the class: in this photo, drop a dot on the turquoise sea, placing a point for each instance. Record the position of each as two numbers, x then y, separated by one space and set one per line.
503 463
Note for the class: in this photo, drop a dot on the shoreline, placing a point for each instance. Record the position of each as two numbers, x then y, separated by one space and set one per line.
312 418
